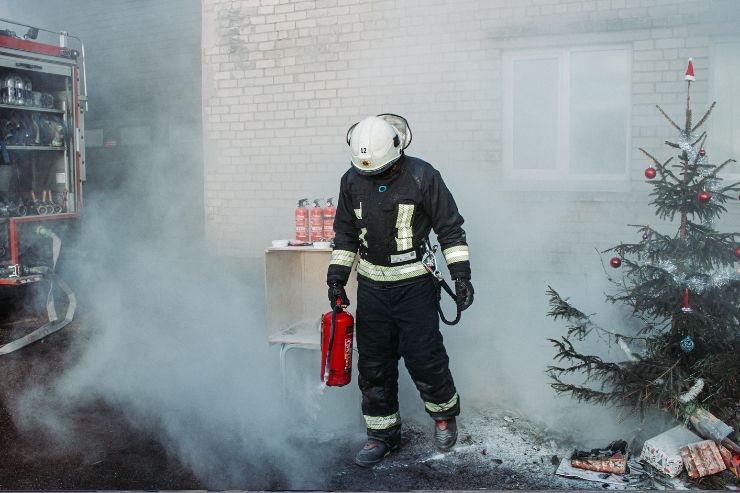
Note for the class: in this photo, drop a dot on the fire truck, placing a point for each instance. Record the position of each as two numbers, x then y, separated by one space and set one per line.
43 99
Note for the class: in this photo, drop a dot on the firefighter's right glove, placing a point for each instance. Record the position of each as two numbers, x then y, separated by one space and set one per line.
337 292
464 293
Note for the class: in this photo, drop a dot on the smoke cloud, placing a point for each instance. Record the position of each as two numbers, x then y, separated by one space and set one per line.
175 339
170 337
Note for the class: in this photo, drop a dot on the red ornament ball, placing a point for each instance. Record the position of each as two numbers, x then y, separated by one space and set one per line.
702 151
650 173
616 262
737 252
704 196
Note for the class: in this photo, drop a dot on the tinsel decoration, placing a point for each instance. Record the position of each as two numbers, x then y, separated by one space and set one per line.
622 344
691 394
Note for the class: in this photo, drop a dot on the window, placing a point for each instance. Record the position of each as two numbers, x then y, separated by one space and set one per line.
567 114
723 141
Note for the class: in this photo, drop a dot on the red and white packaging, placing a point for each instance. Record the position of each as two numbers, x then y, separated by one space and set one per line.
663 451
732 461
702 459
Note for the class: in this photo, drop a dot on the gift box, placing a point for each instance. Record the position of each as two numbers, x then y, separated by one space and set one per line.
709 426
611 459
702 459
663 452
732 461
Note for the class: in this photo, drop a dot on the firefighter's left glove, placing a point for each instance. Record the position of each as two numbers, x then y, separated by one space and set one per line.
337 292
464 293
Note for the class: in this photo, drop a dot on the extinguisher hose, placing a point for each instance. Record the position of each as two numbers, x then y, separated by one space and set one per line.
337 308
442 284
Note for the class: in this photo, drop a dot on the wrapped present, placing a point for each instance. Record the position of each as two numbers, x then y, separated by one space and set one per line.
732 460
709 426
611 459
664 451
702 459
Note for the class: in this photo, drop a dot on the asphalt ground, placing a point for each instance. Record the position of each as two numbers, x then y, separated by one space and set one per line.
497 449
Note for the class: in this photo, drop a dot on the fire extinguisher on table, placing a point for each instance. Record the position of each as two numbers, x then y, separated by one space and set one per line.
328 219
337 327
301 220
317 222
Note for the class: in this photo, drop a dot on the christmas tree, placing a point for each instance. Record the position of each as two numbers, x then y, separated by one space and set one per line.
683 291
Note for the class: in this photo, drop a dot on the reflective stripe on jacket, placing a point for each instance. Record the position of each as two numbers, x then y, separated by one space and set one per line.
386 219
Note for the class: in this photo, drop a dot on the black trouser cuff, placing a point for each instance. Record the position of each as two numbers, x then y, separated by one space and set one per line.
391 436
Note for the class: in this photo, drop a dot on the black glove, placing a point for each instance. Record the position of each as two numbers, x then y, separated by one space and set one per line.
336 291
464 293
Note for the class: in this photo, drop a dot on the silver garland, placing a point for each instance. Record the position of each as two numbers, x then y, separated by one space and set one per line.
702 162
716 279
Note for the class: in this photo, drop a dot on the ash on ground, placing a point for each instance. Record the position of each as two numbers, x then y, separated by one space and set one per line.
496 449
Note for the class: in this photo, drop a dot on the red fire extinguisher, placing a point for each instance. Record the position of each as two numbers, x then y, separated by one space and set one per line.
317 222
301 220
328 217
337 327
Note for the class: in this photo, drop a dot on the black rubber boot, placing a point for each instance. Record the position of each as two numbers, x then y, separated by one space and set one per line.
445 433
373 452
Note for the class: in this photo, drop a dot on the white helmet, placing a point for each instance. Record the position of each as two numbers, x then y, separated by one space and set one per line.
377 142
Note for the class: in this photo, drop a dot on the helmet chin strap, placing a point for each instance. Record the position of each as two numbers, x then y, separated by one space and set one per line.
392 168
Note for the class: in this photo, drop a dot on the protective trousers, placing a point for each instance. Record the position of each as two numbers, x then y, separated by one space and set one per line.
397 321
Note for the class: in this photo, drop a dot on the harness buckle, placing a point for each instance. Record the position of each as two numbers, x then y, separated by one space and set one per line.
429 260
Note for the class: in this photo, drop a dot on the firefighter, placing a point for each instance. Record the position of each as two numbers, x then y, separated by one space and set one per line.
388 204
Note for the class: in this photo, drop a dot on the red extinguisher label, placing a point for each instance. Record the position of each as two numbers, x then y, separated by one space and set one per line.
301 224
337 351
317 224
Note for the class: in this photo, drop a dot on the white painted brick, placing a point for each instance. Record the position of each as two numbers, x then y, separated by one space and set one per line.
308 70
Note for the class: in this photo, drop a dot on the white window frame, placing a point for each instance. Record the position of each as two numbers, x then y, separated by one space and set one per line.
731 173
560 177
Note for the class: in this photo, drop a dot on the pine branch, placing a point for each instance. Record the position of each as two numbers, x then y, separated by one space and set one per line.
581 324
588 363
694 169
662 167
654 159
713 174
688 108
560 308
675 125
733 187
698 139
581 394
704 118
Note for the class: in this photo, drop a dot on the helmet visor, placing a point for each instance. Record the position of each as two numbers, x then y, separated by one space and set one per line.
401 126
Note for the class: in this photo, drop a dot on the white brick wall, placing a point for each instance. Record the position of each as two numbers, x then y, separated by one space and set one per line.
283 80
305 71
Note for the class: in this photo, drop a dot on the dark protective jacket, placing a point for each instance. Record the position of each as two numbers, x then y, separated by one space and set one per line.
387 218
